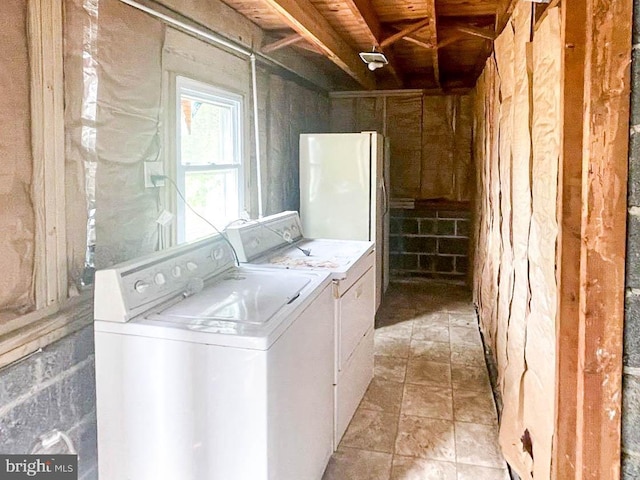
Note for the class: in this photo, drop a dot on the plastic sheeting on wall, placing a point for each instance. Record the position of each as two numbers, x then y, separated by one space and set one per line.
17 228
286 110
429 137
119 63
517 149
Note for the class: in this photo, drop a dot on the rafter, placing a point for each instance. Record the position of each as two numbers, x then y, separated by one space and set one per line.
364 12
476 32
283 42
420 43
504 11
448 41
305 19
414 27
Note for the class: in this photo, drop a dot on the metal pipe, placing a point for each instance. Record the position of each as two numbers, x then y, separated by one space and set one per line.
231 46
189 28
256 131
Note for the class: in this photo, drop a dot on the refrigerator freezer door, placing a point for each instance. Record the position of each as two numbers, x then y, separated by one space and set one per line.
335 185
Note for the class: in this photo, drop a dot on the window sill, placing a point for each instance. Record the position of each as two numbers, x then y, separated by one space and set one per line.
75 314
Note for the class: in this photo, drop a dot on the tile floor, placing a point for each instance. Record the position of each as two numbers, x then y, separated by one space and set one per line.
429 413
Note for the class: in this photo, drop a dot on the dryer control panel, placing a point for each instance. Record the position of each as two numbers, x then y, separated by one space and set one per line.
128 289
257 237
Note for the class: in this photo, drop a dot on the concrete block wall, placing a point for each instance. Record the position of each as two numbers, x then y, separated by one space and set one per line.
52 389
429 242
631 359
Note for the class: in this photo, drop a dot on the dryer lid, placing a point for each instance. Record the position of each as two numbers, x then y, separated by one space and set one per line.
251 297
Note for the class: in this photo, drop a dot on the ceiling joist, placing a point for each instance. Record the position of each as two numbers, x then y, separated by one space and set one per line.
414 27
305 19
363 11
450 40
283 42
485 33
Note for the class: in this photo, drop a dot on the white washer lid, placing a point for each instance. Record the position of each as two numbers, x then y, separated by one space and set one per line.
244 297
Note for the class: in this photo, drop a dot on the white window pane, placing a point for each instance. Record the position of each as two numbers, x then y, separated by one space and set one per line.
207 132
214 195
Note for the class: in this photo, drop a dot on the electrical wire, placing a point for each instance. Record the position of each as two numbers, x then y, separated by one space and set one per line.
288 240
175 186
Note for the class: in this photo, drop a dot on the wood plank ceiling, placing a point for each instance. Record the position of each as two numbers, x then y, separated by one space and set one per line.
430 44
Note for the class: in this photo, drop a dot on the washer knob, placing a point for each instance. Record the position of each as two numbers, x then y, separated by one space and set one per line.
217 254
192 266
176 271
159 279
141 286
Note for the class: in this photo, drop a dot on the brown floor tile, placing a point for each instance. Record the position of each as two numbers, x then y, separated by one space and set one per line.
432 351
425 438
411 468
383 396
473 472
390 368
401 330
353 464
430 319
391 346
371 430
478 445
464 354
426 401
463 320
424 372
474 407
465 335
429 370
465 377
431 332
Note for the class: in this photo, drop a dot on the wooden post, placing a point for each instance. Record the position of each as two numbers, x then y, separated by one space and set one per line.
47 140
591 254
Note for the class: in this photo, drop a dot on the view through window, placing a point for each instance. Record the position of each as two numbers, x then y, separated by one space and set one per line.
209 157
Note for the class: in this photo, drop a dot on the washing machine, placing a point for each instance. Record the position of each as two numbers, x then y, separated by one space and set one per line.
278 242
206 370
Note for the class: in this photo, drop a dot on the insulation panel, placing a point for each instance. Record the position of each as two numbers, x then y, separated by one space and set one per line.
17 227
517 145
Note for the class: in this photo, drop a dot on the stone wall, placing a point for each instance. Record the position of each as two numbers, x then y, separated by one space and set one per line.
631 378
429 242
52 389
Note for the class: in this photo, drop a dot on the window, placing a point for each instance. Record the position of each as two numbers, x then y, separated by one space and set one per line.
209 153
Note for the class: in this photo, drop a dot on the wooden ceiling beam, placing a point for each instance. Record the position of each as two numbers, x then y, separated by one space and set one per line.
504 11
476 32
414 27
309 47
305 19
283 42
364 12
420 43
448 41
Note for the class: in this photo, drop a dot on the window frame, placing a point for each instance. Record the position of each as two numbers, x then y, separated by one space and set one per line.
212 94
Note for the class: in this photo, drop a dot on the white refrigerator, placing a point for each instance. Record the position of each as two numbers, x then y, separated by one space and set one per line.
344 192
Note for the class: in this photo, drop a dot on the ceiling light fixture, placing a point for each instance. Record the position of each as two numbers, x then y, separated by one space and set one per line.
373 59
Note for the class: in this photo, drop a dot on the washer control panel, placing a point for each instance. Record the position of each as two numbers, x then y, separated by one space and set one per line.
128 289
253 239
